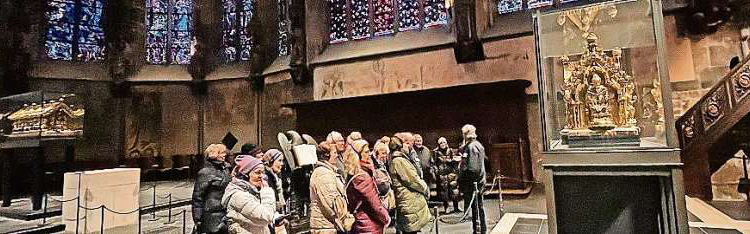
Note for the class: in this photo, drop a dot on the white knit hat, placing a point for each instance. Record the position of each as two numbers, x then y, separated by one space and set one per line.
469 131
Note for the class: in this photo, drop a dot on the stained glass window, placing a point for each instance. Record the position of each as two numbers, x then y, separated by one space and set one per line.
539 3
169 31
284 24
383 17
338 21
360 19
435 13
75 30
363 19
236 39
408 15
508 6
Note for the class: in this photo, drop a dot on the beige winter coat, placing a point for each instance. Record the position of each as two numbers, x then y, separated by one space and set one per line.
328 205
248 210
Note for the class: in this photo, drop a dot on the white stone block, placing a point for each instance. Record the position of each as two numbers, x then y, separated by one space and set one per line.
117 189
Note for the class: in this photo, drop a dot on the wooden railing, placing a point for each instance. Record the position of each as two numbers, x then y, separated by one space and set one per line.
707 122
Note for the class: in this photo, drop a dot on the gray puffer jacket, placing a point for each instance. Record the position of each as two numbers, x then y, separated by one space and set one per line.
249 210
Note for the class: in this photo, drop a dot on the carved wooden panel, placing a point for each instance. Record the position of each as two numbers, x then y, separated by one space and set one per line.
688 129
741 83
715 106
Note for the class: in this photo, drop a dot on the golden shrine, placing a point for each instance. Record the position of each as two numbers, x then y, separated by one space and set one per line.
51 118
599 99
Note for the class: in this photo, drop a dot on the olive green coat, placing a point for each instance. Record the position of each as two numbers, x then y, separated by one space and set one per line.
411 195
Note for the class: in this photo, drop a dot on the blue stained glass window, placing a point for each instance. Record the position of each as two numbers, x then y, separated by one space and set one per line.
75 30
383 17
170 27
539 3
236 39
284 24
435 13
508 6
338 12
408 15
360 19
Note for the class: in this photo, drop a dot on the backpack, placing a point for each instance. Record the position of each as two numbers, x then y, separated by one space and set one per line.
382 180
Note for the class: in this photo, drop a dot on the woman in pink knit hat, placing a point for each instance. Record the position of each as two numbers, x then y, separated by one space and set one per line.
251 205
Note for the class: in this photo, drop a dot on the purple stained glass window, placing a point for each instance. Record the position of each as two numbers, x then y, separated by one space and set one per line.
363 19
539 3
508 6
236 40
75 30
435 13
360 19
383 17
284 24
338 12
408 15
169 35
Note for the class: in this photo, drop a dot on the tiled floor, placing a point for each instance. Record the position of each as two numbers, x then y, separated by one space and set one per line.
179 190
539 225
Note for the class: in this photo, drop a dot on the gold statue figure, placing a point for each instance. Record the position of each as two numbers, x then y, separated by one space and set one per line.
599 95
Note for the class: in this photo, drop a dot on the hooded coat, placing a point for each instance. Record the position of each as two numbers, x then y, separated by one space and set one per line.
329 210
364 202
209 187
249 211
411 194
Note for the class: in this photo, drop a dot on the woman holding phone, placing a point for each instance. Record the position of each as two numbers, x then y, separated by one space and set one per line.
250 203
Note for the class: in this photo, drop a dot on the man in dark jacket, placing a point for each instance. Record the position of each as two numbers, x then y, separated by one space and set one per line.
426 161
471 172
208 213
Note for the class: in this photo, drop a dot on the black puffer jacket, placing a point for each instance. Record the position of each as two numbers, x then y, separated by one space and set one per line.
207 192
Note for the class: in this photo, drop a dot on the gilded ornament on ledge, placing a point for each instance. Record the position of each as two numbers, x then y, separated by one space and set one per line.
599 99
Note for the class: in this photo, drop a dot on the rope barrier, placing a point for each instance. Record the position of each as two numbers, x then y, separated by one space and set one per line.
122 213
150 187
172 215
62 201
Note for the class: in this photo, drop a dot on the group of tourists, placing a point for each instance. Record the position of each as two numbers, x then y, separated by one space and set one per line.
354 188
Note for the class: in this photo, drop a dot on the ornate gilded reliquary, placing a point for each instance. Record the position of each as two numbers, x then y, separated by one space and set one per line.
599 99
51 118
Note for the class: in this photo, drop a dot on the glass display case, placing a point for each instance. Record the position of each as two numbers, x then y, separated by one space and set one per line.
600 76
26 119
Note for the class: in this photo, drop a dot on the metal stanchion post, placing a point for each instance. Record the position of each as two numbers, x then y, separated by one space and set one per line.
169 212
78 203
437 229
184 224
139 222
500 192
44 212
101 228
153 204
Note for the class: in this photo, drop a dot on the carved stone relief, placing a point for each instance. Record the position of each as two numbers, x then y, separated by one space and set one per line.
506 60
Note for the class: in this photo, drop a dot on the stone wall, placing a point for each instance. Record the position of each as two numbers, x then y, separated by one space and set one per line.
231 106
510 59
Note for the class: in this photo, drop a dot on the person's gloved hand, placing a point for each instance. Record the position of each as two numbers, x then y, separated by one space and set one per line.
279 219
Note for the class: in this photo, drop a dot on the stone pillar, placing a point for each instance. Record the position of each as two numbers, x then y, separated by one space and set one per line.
8 164
37 178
